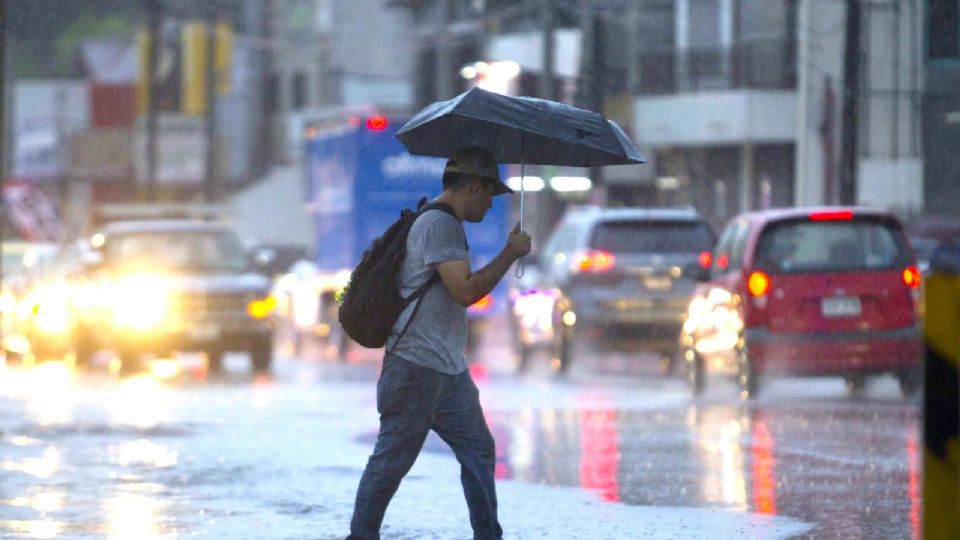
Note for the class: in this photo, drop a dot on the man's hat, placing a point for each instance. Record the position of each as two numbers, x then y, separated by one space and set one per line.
476 161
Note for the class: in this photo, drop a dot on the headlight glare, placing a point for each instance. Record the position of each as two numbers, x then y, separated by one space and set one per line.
139 302
262 308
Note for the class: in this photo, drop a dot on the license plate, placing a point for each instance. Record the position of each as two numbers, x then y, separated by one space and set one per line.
840 306
204 331
657 283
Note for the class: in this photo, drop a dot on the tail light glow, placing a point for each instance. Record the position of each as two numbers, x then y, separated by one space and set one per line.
723 261
705 259
832 215
911 277
377 123
594 261
758 283
482 305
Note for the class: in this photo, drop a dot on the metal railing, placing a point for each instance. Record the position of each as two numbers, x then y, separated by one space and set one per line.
766 64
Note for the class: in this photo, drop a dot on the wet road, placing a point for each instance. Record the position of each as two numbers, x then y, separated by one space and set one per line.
616 451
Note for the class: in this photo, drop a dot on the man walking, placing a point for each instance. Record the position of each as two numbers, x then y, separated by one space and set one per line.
424 382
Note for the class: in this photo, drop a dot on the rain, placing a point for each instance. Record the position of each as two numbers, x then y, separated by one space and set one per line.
737 317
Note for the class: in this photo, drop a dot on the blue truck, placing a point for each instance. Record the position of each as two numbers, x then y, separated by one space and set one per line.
358 179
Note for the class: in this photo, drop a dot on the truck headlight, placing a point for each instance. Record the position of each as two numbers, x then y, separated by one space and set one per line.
50 310
139 302
262 307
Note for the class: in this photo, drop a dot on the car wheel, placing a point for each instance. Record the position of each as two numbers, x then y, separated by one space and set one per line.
564 353
910 382
131 362
856 384
83 350
670 360
747 377
693 364
261 356
343 347
523 358
215 361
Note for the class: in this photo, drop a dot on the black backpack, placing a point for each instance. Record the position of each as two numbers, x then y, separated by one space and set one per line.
372 303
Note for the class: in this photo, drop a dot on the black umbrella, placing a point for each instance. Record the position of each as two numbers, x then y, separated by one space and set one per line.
521 130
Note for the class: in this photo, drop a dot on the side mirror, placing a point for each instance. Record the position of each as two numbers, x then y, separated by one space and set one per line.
262 258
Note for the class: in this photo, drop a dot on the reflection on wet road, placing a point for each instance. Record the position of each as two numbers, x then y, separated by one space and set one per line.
850 468
97 456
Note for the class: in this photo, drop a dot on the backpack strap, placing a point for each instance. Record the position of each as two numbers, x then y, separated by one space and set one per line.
421 291
417 295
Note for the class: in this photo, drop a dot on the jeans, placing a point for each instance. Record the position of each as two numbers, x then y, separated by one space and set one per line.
411 401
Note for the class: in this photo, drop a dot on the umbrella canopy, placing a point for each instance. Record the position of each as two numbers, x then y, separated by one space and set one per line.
518 130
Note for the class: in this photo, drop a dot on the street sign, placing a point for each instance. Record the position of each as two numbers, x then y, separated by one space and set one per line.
32 212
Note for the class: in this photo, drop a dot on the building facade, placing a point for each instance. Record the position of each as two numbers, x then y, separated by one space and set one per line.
740 105
736 103
941 112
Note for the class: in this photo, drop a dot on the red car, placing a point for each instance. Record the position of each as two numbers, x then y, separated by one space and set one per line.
807 291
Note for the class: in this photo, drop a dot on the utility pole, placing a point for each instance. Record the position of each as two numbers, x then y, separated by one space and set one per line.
3 139
598 194
211 118
548 82
153 29
4 130
444 47
851 90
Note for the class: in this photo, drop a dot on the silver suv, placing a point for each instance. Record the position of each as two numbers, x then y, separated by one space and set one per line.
622 278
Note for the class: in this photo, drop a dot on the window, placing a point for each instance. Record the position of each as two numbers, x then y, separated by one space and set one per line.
729 253
944 29
805 246
299 90
652 236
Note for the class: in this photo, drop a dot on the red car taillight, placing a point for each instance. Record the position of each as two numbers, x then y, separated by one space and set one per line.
758 283
911 277
913 280
594 261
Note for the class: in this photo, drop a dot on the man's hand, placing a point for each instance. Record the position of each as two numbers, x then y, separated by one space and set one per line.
467 287
518 243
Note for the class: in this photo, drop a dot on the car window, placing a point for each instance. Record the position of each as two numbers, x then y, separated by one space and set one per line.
865 244
739 246
652 236
191 250
729 252
556 245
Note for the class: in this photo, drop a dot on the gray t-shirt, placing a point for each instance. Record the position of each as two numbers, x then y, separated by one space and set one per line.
437 337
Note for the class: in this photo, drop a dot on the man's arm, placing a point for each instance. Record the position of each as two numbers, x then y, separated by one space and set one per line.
467 287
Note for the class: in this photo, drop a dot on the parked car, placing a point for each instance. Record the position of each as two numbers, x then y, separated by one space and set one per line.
621 279
164 285
807 291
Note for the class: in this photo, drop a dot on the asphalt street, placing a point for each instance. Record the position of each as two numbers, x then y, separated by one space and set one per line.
615 450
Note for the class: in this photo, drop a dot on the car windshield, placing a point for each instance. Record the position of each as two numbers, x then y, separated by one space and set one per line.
800 246
652 236
205 251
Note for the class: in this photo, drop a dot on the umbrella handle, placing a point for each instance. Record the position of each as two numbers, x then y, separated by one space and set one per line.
519 271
